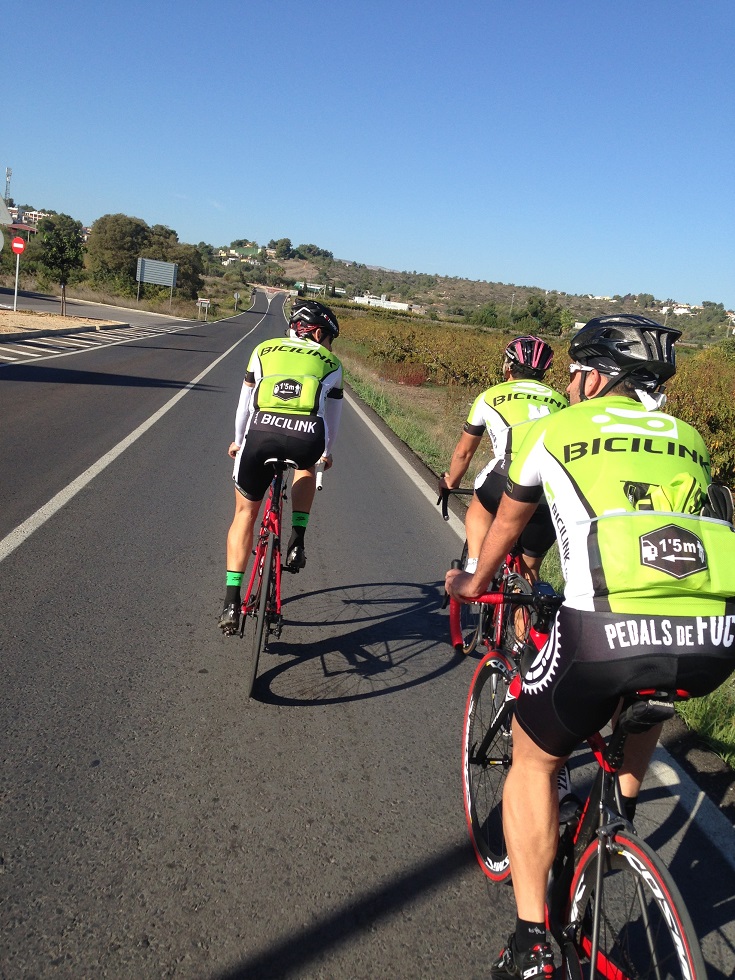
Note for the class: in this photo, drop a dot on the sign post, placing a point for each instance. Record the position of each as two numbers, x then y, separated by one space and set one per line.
18 246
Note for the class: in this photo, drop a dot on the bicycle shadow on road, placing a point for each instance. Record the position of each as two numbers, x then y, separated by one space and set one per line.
359 641
358 918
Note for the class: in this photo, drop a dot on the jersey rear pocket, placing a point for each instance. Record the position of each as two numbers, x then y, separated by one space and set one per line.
645 555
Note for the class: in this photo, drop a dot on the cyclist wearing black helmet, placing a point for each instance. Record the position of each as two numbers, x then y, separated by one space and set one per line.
648 556
290 406
505 411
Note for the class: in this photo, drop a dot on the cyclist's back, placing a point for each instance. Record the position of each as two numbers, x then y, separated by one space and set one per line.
626 488
506 409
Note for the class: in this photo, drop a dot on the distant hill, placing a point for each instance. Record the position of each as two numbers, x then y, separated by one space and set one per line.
453 297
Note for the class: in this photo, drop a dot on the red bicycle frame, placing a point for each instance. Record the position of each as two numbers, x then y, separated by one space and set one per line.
270 523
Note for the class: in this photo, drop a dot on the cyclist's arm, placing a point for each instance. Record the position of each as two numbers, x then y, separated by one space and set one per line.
332 416
461 459
243 407
512 516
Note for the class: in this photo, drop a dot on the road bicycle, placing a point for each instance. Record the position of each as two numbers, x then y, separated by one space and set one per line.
261 603
473 624
611 902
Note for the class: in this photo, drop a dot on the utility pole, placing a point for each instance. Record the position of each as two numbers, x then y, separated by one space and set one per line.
8 175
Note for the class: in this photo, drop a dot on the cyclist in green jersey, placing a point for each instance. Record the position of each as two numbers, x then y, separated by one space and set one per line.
290 407
505 410
648 554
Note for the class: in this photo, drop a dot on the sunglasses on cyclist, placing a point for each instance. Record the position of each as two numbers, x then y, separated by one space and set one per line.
573 368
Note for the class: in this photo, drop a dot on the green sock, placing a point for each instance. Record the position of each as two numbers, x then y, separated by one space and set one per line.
232 591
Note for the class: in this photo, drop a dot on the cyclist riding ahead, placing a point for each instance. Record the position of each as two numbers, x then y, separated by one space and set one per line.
505 411
290 406
648 557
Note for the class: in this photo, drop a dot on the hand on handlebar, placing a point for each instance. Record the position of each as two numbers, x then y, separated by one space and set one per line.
461 586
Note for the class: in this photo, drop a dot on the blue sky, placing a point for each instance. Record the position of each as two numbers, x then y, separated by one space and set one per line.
578 145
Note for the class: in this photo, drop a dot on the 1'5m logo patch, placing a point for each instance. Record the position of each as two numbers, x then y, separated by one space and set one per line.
287 389
673 550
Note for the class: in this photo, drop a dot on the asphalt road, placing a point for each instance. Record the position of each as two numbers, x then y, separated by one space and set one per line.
154 822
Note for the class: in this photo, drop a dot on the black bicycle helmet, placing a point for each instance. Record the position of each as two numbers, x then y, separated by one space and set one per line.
627 345
530 353
308 316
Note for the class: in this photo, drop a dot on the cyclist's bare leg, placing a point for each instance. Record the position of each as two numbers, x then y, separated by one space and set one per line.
303 489
240 535
476 525
531 822
638 751
530 568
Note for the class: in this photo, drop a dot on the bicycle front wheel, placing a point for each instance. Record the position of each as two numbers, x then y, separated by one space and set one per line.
471 617
487 755
265 603
645 930
516 618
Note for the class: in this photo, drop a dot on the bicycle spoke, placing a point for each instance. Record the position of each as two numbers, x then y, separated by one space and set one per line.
645 932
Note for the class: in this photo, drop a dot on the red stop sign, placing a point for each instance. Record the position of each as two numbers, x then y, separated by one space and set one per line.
18 245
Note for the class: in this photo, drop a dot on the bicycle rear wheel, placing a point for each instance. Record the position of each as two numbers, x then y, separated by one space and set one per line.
645 929
265 603
487 754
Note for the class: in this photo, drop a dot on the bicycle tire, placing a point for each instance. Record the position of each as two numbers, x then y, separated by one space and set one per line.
645 928
261 619
471 617
516 618
483 779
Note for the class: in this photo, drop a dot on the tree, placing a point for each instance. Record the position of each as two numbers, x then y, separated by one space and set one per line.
312 252
282 247
62 251
161 239
190 269
115 244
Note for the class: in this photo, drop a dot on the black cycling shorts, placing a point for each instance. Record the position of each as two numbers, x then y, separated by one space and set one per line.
573 686
274 435
539 534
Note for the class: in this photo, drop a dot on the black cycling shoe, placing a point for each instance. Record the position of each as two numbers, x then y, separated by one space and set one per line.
295 559
535 962
230 618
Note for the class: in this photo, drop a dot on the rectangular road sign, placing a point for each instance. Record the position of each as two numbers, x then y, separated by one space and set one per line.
158 273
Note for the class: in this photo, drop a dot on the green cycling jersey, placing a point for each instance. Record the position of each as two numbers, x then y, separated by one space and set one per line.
293 376
506 409
625 487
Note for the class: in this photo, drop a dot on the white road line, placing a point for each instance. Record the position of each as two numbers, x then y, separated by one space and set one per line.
21 533
26 353
129 334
